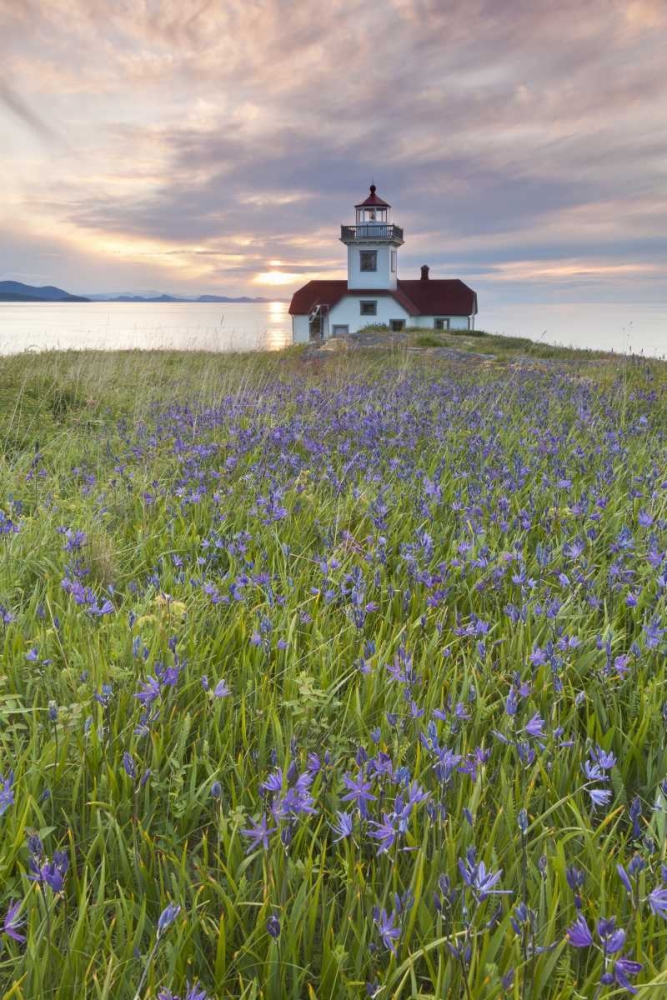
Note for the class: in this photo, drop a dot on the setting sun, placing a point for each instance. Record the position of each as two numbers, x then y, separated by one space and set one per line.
275 278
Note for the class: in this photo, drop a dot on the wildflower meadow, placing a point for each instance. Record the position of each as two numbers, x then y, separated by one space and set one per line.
326 679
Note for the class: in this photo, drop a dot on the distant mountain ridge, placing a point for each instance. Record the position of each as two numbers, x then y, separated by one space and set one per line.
16 291
176 298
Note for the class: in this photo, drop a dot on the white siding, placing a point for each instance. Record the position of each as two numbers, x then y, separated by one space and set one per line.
347 312
384 277
455 322
459 323
300 330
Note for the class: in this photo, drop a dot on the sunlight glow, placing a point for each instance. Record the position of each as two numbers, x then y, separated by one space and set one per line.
275 278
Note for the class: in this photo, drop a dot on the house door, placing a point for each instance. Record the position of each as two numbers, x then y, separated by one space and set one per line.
315 327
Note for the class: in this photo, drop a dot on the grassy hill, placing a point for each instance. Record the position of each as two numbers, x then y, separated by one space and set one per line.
332 675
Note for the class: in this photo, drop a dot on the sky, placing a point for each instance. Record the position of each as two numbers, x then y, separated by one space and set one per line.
198 146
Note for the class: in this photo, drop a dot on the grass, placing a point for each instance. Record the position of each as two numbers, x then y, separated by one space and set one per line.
439 582
500 346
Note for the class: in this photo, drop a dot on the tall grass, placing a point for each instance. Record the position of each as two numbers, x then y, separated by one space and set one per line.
445 585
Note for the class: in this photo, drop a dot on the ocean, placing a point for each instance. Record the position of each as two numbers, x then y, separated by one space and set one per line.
181 326
195 326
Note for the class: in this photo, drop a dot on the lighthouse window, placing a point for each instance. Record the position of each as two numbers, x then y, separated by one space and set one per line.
393 261
368 260
368 308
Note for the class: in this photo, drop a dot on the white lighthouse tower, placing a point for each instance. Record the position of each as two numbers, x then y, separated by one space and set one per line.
372 246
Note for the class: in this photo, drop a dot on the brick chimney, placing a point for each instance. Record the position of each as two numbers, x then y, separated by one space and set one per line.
425 270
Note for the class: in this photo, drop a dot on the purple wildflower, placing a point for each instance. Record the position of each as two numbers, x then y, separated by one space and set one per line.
624 967
258 834
535 727
579 934
388 930
479 879
149 693
657 900
6 792
343 826
385 832
167 917
599 796
359 792
11 923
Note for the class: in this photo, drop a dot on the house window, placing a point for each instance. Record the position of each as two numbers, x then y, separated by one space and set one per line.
441 324
368 260
340 331
368 308
397 324
393 261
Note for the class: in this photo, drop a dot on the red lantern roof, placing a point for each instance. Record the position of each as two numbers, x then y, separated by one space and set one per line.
373 201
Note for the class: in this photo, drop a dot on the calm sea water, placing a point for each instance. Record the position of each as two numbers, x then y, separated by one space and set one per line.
266 327
190 326
621 327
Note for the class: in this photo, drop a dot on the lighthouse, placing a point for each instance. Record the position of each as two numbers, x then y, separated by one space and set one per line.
372 245
373 294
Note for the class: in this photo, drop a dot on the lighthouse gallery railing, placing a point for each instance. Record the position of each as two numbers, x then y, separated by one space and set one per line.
371 231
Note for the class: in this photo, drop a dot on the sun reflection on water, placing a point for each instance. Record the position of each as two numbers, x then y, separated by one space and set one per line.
278 331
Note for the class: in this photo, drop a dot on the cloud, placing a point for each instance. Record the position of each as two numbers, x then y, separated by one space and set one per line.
208 139
15 103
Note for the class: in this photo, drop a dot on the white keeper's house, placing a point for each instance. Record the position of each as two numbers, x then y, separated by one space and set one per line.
373 293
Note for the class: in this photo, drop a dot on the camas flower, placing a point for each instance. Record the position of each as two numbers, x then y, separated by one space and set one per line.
11 923
149 693
359 792
599 796
579 934
657 900
477 878
385 832
51 873
167 917
611 937
388 930
221 690
258 834
129 765
194 992
624 967
6 792
535 727
343 826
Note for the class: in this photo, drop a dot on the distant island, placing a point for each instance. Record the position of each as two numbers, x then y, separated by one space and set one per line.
16 291
175 298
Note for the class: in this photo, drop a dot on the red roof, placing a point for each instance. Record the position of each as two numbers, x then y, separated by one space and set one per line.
440 297
435 297
373 200
316 293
